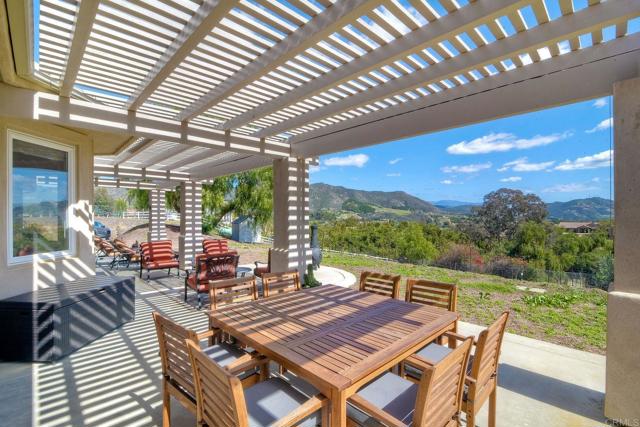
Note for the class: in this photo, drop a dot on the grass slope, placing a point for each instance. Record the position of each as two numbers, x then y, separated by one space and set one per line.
568 316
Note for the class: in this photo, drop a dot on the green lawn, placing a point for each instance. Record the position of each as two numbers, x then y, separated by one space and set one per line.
569 316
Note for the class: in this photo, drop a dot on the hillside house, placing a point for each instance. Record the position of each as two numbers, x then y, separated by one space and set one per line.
579 227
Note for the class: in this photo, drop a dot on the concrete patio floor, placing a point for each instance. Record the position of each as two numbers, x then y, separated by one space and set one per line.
115 381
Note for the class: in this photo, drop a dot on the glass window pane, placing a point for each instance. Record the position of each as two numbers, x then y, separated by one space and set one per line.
40 193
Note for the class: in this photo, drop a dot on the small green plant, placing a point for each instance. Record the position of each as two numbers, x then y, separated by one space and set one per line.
557 300
310 280
485 295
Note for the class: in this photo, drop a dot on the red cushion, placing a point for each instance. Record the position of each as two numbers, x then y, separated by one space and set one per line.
156 265
215 246
203 285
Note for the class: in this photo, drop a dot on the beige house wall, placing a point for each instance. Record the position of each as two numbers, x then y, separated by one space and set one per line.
20 278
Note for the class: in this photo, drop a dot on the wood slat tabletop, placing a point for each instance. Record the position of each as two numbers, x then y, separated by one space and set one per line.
335 338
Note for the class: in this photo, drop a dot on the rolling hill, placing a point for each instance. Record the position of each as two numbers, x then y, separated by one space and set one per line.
400 205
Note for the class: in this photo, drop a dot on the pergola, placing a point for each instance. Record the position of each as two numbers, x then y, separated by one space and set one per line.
202 88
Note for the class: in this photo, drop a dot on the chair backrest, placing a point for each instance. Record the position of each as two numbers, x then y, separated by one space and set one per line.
278 283
215 246
219 395
378 283
487 355
157 250
443 295
218 267
441 387
232 291
174 355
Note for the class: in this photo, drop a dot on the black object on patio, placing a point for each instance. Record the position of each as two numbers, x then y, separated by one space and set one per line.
50 323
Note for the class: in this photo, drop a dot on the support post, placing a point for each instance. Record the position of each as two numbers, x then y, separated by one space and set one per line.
157 216
190 242
292 250
623 307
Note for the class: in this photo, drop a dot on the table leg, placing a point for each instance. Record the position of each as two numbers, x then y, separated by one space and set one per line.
338 409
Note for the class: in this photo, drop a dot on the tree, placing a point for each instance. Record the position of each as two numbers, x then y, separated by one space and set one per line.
102 201
504 210
120 205
139 199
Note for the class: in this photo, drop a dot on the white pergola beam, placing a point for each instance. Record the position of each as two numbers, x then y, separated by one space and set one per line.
319 27
202 22
444 28
215 169
164 155
580 75
29 104
565 27
194 158
81 32
129 154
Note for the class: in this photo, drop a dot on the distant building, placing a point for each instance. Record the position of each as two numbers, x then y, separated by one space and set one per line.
243 230
579 227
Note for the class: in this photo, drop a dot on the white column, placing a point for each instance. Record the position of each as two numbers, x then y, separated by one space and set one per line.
292 250
157 216
623 307
190 222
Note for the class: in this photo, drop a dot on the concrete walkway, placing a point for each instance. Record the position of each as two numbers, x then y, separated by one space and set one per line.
115 381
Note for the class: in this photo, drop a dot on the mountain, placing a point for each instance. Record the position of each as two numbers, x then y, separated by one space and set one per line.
591 209
368 204
453 203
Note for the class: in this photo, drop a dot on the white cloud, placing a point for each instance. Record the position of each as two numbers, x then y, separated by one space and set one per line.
501 142
569 188
393 174
316 168
446 182
600 102
394 161
511 179
467 168
598 160
603 125
357 160
522 165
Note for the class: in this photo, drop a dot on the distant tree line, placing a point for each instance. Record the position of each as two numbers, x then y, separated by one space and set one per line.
507 235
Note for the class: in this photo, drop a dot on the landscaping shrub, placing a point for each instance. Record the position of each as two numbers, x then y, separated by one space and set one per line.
511 268
461 257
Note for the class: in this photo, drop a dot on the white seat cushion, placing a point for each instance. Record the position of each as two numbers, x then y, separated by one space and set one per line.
392 394
270 400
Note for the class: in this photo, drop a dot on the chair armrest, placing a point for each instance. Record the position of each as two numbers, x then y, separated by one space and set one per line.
420 362
246 363
457 336
209 333
257 263
310 406
372 410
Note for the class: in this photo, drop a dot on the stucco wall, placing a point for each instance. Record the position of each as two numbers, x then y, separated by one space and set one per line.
16 279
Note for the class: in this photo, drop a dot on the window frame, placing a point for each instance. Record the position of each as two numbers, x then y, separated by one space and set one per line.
71 199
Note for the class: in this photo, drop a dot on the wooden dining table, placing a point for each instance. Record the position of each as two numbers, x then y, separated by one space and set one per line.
335 338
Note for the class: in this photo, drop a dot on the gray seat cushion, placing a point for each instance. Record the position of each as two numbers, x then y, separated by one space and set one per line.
434 353
392 394
270 400
223 354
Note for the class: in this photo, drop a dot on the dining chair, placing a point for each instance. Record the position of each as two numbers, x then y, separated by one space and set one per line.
177 378
482 372
222 401
381 284
223 293
278 283
436 294
435 401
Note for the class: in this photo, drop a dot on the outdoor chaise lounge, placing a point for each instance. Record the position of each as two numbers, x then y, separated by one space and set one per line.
158 255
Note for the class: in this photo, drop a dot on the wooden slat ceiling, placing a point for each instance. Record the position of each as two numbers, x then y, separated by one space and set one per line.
277 69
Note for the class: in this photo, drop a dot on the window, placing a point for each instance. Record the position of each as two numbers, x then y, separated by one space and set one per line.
40 194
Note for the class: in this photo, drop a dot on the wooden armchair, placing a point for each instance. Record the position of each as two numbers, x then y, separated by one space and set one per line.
482 372
177 378
261 268
209 268
381 284
222 402
397 402
232 291
278 283
436 294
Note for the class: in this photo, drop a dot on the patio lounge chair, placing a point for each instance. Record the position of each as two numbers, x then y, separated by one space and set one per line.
395 401
278 283
209 268
129 255
216 247
221 400
177 377
104 249
158 255
482 372
261 269
381 284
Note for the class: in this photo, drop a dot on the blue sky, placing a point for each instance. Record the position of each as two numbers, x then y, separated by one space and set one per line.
560 154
